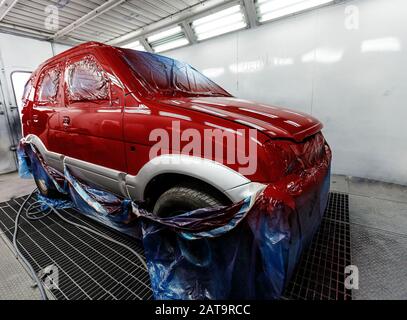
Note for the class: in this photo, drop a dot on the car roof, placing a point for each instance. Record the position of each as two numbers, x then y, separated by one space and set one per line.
78 48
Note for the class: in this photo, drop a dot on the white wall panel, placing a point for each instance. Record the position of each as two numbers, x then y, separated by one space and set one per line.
59 48
355 81
23 53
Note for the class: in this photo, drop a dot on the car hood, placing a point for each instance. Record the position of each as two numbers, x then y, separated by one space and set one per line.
271 120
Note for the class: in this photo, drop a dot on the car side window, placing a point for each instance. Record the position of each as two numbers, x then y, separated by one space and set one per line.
85 80
27 90
49 84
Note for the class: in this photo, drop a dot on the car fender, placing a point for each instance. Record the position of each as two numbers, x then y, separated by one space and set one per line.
211 172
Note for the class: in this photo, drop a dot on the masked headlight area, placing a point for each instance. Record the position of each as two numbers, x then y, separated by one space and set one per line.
287 157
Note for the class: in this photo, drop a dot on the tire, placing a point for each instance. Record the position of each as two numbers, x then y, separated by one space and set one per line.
44 190
181 199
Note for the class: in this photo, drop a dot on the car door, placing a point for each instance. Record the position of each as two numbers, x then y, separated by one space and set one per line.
46 106
91 121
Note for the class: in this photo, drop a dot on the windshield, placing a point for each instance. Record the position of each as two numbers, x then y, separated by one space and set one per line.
166 76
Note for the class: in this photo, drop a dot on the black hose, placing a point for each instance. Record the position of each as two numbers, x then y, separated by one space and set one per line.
101 235
35 211
19 255
39 214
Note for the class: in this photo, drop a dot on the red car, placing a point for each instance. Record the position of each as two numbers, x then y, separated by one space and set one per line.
149 128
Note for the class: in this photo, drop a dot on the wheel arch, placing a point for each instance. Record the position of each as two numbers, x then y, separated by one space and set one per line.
213 175
163 182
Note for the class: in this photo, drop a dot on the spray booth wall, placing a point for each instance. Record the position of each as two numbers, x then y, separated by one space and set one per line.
352 77
19 56
348 71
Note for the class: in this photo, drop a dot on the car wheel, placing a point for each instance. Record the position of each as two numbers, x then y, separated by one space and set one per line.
44 189
181 199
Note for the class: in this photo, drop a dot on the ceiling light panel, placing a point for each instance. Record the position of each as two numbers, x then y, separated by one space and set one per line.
169 39
274 9
221 22
135 45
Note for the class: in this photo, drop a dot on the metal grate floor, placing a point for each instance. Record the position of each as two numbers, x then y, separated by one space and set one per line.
89 267
92 268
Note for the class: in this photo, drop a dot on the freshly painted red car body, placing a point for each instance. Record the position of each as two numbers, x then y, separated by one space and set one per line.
114 133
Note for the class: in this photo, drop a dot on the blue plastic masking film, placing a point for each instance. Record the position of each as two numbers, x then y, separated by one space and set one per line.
103 206
24 166
57 203
31 160
253 260
248 250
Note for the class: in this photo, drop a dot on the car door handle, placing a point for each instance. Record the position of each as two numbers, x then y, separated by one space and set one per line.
66 121
35 118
